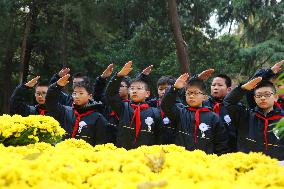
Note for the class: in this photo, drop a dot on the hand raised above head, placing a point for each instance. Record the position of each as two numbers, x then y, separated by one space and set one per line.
32 82
251 84
147 70
63 80
206 74
107 72
125 70
181 81
63 72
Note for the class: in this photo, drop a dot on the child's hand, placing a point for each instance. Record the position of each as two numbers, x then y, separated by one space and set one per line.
125 70
181 81
107 72
32 82
206 74
251 84
277 67
63 80
63 72
147 70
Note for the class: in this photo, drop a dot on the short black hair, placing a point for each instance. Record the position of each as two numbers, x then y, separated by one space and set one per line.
138 80
196 83
79 74
265 83
43 83
126 80
228 80
85 84
166 80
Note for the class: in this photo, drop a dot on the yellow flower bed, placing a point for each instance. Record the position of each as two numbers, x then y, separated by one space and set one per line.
76 164
17 130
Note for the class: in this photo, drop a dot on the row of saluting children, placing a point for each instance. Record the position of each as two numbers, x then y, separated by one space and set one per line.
120 111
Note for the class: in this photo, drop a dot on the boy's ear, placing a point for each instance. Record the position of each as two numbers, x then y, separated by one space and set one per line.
148 93
229 89
90 96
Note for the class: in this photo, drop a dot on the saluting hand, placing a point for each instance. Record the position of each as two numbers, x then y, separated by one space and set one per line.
107 72
147 70
63 80
63 72
125 70
277 67
206 74
181 81
32 82
251 84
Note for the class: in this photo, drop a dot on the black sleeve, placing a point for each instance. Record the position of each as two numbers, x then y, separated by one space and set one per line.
54 79
101 130
112 94
100 89
221 138
55 109
168 103
18 101
231 102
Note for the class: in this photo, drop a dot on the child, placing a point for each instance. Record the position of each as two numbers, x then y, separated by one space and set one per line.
255 125
80 121
221 85
20 97
139 124
197 126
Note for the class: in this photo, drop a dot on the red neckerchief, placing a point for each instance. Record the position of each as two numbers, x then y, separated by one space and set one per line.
137 118
159 105
75 128
41 111
266 119
217 106
197 118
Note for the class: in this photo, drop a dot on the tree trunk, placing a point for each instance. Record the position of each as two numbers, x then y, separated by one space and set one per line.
27 43
64 39
7 66
181 46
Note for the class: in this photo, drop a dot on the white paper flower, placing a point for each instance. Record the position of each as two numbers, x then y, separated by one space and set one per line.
82 124
149 121
227 119
203 127
166 120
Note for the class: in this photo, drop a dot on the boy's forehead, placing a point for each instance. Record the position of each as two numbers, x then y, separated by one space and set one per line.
263 89
192 88
41 88
82 89
164 85
137 84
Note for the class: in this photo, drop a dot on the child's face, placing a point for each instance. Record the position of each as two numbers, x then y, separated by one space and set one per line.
219 88
138 92
162 90
280 87
265 97
194 96
40 93
123 90
80 96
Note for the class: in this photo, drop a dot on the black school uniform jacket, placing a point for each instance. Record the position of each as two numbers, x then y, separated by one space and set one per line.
225 119
150 120
18 102
211 136
92 127
251 128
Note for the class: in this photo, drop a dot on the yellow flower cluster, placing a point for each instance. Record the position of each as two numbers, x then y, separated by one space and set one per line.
76 164
18 130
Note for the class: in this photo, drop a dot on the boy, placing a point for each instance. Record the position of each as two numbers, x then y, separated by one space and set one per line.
255 125
20 97
221 85
139 124
197 126
80 121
